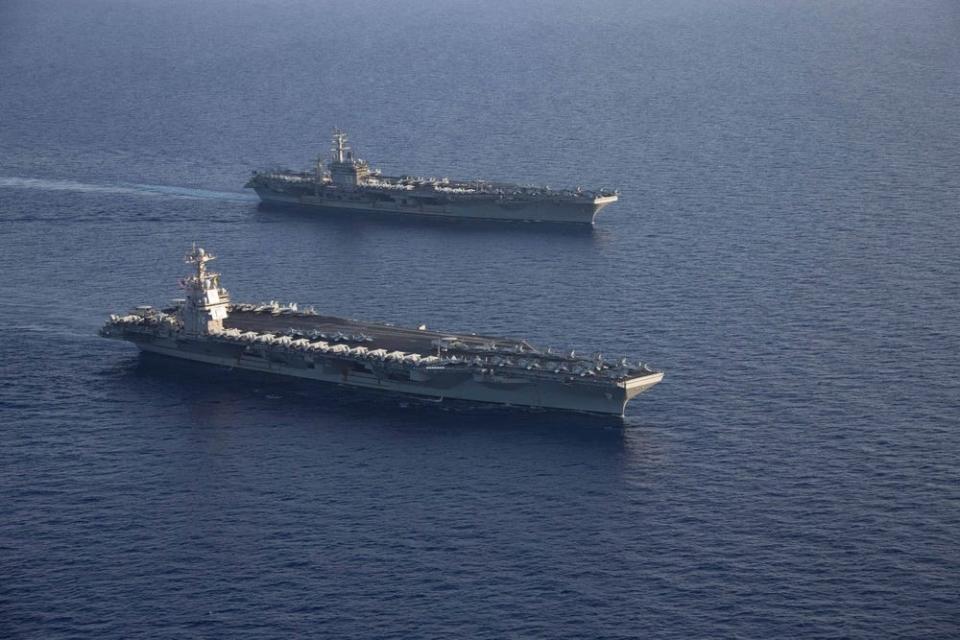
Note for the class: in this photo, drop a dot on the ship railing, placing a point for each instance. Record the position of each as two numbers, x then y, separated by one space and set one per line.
532 367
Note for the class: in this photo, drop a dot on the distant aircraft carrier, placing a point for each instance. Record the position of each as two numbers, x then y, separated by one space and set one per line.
349 184
207 327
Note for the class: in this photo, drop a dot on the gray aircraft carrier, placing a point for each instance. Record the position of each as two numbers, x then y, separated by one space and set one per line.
350 185
207 327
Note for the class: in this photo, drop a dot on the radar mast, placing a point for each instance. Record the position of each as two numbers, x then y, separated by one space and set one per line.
345 170
340 149
205 307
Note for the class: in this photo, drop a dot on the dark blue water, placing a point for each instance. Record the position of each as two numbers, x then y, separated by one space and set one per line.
786 248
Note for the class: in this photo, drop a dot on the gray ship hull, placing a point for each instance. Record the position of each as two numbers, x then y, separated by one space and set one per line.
436 385
583 212
270 338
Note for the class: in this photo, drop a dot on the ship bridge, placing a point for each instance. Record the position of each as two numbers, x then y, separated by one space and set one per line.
345 170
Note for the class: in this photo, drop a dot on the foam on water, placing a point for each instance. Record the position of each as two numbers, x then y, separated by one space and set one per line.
123 189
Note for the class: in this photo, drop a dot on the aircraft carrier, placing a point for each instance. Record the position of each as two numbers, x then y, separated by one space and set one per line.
349 184
207 327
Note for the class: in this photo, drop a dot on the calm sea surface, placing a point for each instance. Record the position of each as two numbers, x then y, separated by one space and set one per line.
786 248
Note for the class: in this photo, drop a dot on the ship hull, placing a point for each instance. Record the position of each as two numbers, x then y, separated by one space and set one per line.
438 386
506 210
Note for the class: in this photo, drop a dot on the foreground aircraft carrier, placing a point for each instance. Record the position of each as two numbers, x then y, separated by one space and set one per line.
349 184
207 327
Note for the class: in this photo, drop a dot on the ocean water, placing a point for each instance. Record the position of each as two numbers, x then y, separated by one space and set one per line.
785 248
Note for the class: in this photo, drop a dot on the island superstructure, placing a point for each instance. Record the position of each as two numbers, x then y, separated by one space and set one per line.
207 327
349 184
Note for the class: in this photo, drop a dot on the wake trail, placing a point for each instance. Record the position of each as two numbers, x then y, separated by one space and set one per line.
147 190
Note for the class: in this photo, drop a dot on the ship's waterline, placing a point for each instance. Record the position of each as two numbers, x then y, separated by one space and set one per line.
519 394
526 212
206 327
